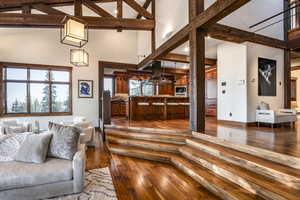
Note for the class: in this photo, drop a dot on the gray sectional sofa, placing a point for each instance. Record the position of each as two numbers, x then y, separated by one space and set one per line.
55 177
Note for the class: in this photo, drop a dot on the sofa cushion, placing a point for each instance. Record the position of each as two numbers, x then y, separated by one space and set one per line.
20 174
64 142
34 149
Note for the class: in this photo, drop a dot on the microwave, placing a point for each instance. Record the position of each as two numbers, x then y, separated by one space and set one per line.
181 91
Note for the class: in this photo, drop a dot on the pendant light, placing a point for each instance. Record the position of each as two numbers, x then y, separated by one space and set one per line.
79 57
74 32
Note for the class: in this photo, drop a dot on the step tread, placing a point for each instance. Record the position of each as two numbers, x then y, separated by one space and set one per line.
144 134
147 136
253 177
255 159
152 145
143 141
235 190
283 159
231 188
147 130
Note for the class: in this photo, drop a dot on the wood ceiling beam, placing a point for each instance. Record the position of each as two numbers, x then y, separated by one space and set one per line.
174 57
54 21
119 11
47 9
116 65
146 6
133 4
211 15
231 34
16 5
97 9
78 8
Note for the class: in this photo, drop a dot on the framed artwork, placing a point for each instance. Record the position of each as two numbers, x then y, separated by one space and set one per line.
85 89
266 77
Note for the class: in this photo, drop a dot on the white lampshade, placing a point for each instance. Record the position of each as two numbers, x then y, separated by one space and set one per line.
79 57
74 32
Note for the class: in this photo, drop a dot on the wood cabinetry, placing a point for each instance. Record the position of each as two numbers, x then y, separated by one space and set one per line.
158 108
121 83
118 108
167 89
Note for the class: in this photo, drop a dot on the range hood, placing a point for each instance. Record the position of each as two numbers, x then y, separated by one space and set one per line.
158 74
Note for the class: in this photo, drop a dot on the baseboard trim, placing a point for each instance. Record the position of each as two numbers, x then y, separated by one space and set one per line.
234 123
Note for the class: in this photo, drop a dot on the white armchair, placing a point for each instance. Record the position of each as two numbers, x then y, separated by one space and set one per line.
13 126
88 131
276 117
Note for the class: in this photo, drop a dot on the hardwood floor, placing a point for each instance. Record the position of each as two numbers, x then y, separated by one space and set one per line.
142 179
284 139
145 180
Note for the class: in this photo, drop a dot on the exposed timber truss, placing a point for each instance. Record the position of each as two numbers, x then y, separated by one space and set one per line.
52 17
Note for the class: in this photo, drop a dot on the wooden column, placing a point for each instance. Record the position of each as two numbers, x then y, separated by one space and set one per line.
287 59
101 114
153 37
197 70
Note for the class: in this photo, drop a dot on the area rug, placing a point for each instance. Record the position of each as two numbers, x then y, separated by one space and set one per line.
98 186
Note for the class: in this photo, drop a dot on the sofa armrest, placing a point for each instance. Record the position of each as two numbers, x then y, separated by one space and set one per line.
79 170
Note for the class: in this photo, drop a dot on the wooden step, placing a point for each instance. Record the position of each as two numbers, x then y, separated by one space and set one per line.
254 183
139 153
217 185
277 172
156 146
147 130
172 139
283 159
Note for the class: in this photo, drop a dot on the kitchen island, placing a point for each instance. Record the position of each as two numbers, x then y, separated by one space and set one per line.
157 108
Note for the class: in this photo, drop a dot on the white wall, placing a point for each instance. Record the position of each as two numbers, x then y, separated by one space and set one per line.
232 68
255 51
42 46
238 67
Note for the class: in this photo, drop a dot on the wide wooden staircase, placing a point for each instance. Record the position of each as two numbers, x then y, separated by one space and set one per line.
229 170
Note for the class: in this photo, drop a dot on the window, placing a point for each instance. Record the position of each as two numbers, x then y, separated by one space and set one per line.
140 88
108 85
36 89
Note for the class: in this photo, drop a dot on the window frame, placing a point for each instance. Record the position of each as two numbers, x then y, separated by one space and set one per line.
4 81
141 85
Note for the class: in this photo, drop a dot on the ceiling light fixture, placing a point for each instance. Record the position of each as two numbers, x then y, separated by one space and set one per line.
74 32
79 57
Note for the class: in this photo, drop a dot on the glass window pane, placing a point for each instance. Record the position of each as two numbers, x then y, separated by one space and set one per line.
108 84
39 93
60 76
135 87
16 98
39 75
60 98
148 88
16 74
